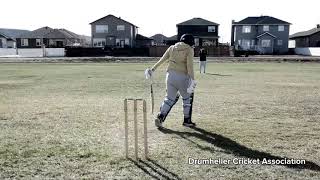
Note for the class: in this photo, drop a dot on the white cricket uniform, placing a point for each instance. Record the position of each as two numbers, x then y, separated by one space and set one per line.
179 73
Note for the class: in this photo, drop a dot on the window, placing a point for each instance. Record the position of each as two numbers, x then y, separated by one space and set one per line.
279 42
126 41
38 42
211 29
245 43
122 42
246 29
265 43
252 42
117 42
196 41
208 42
280 28
24 42
266 28
99 42
120 27
101 28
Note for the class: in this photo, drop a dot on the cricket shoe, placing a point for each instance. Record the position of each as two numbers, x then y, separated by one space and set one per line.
188 123
159 120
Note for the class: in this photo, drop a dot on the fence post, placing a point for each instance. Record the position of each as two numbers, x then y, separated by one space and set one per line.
44 50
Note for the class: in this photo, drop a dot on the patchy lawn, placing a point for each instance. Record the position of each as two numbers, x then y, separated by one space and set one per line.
66 121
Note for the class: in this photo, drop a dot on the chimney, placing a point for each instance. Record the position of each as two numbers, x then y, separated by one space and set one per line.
318 26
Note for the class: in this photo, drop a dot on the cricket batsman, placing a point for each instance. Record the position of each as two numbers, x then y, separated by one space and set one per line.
179 79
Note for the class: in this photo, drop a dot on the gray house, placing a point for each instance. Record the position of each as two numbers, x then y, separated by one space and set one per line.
159 39
310 38
204 31
262 34
52 38
8 37
113 31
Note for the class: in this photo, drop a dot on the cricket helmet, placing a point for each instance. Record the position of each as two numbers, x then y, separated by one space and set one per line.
188 39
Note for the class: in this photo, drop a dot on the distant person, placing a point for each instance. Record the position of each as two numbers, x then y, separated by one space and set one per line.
203 60
179 79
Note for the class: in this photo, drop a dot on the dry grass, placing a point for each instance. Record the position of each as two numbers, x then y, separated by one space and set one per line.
65 121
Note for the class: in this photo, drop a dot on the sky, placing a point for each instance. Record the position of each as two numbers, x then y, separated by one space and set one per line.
153 17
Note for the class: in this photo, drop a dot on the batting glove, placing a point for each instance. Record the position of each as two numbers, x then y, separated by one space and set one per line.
192 86
148 73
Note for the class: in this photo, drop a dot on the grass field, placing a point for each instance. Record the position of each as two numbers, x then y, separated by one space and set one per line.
65 121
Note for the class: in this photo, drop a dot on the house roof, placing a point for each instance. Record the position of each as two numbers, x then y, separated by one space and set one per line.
266 33
3 35
110 15
47 32
159 38
8 38
38 33
197 22
70 34
261 20
12 33
58 34
11 39
304 33
172 38
140 37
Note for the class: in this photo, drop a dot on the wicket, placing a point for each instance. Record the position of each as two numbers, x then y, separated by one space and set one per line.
135 121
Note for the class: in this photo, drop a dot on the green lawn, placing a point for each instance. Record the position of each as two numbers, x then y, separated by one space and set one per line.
65 121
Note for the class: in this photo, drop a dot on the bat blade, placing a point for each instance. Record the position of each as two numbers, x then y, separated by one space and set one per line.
152 98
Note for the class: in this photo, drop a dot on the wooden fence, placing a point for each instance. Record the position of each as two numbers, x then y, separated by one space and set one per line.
158 51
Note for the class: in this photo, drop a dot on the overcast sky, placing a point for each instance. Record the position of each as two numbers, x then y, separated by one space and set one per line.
153 17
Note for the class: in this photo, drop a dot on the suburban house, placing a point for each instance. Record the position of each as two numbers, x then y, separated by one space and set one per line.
261 34
8 37
172 40
159 39
310 38
52 38
112 31
204 31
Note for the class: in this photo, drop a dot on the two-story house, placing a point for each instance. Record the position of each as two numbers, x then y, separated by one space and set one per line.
113 31
262 34
204 31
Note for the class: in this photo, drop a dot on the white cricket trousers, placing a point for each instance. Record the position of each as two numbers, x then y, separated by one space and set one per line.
177 83
202 66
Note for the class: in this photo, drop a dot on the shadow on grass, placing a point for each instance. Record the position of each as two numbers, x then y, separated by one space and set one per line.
235 148
218 74
155 170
